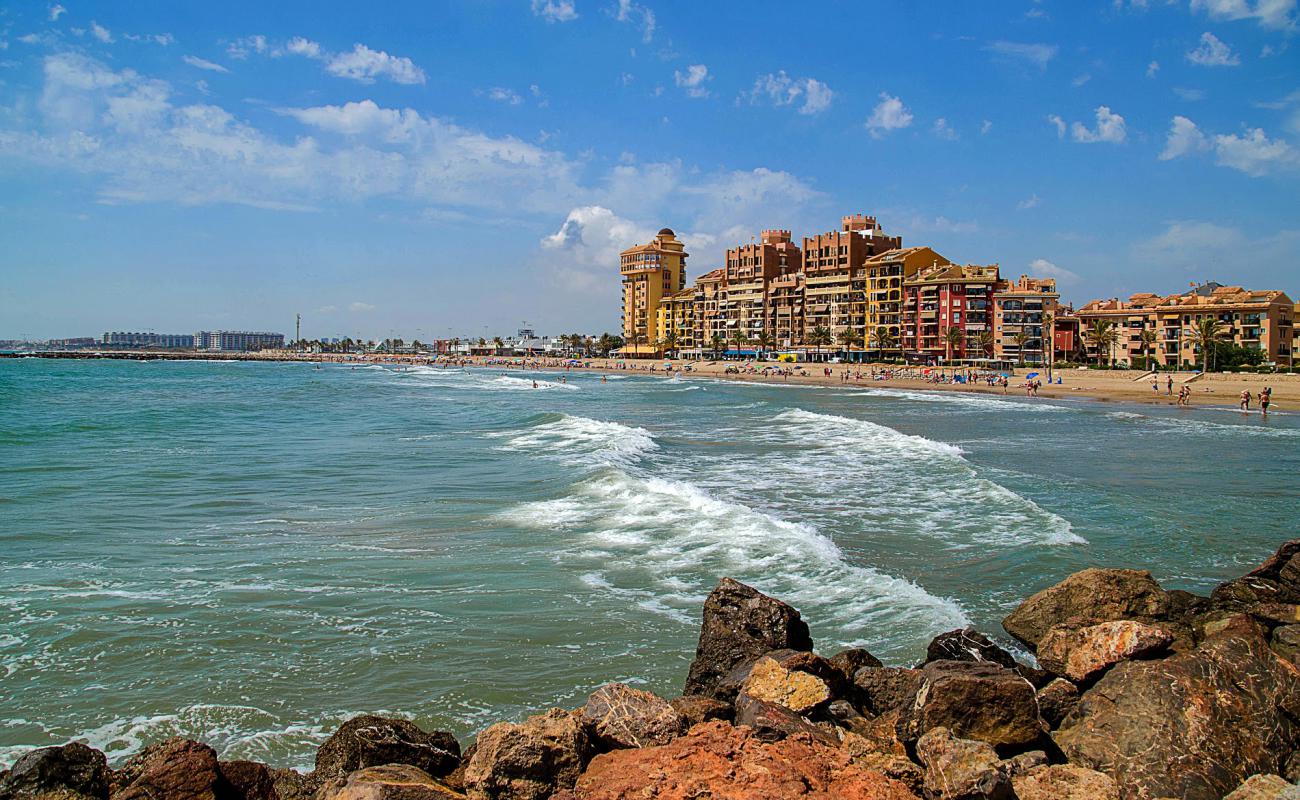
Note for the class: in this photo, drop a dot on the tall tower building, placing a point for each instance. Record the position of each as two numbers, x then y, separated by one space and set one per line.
649 272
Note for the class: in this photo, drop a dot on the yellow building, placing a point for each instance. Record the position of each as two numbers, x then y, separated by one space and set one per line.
676 323
649 272
885 274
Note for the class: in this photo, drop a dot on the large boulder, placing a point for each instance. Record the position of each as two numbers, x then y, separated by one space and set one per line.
1277 580
619 716
721 762
1191 726
527 761
176 769
293 785
370 741
848 662
740 623
72 770
696 708
1265 787
1056 700
961 769
798 691
1065 782
880 690
979 701
772 721
1088 598
390 782
1082 654
249 780
967 644
1286 642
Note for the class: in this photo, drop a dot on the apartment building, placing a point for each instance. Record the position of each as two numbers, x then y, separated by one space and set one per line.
750 268
238 341
710 316
944 297
649 272
885 275
836 278
676 322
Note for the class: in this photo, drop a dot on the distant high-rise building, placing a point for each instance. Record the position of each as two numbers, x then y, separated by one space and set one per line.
136 339
238 341
649 272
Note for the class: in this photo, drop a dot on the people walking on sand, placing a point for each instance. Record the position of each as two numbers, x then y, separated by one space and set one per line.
1245 399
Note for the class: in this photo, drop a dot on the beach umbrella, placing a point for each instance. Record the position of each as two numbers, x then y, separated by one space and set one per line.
1032 375
1005 374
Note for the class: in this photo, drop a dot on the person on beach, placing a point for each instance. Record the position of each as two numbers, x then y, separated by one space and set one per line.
1155 386
1245 399
1265 399
1169 385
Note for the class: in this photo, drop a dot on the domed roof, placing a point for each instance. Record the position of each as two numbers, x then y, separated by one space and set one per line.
666 232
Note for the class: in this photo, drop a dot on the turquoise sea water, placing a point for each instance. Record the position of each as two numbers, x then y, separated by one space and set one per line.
250 553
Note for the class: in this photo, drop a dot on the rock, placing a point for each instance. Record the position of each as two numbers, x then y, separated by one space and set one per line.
1082 654
798 691
772 722
720 762
1277 580
1056 700
72 770
967 644
1286 642
898 766
848 662
293 785
249 780
1065 782
979 701
370 741
696 708
620 716
1291 767
176 769
1022 763
884 689
961 769
740 623
1277 613
391 782
1265 787
1088 598
1193 725
1231 624
527 761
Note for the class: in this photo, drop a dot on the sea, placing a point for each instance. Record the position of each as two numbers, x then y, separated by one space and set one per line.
250 553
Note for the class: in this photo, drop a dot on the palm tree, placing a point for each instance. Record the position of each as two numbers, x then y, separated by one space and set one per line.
765 342
1020 338
954 336
719 343
739 339
1206 335
669 342
1049 342
498 344
985 340
1148 336
847 337
819 337
1103 335
882 338
635 339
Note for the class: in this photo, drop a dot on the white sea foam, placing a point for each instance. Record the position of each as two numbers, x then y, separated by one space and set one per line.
974 401
581 440
1201 426
836 430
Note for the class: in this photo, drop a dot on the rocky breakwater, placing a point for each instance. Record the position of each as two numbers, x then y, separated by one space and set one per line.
1139 693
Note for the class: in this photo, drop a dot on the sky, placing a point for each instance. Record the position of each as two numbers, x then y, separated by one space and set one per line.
459 168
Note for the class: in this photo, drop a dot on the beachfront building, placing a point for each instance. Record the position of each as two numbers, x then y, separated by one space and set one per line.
785 309
1262 320
1021 311
941 298
886 274
238 341
1068 343
675 329
140 339
710 315
750 268
836 279
649 272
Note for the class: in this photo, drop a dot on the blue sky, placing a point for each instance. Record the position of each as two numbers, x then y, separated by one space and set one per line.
428 169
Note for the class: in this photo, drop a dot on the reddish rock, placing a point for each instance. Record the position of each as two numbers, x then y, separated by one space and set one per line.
1065 782
620 716
740 623
772 722
1265 787
73 770
390 782
527 761
696 708
1056 700
370 741
961 769
719 762
1082 654
177 769
979 701
1087 598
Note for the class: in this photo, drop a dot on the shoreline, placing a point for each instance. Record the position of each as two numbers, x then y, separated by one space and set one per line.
1218 391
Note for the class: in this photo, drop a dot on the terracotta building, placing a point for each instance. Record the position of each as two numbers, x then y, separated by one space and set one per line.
649 272
750 267
1024 307
710 316
944 297
886 274
835 275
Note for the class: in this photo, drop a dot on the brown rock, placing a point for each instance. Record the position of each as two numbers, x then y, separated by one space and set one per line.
848 662
527 761
719 762
772 722
1022 763
1191 726
898 766
73 770
740 623
696 708
293 785
620 716
1056 700
1277 613
1265 787
961 769
884 689
249 780
979 701
1291 767
967 644
1065 782
1277 580
1231 624
1088 598
391 782
798 691
177 769
1082 654
1286 642
370 741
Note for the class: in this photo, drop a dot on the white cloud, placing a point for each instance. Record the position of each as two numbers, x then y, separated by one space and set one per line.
1254 153
693 80
100 32
629 11
1110 128
242 47
1153 68
1213 53
1058 123
1037 55
1274 14
364 65
943 130
503 95
56 11
299 46
1032 201
1042 268
1080 80
889 115
782 90
199 63
555 10
1184 138
359 306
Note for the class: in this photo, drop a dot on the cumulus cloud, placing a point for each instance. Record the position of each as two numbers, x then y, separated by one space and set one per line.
889 115
629 11
1109 128
1042 268
1213 53
1251 152
809 94
1184 137
555 10
299 46
1037 55
242 47
100 32
501 94
364 65
1273 14
693 80
56 11
1058 123
199 63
